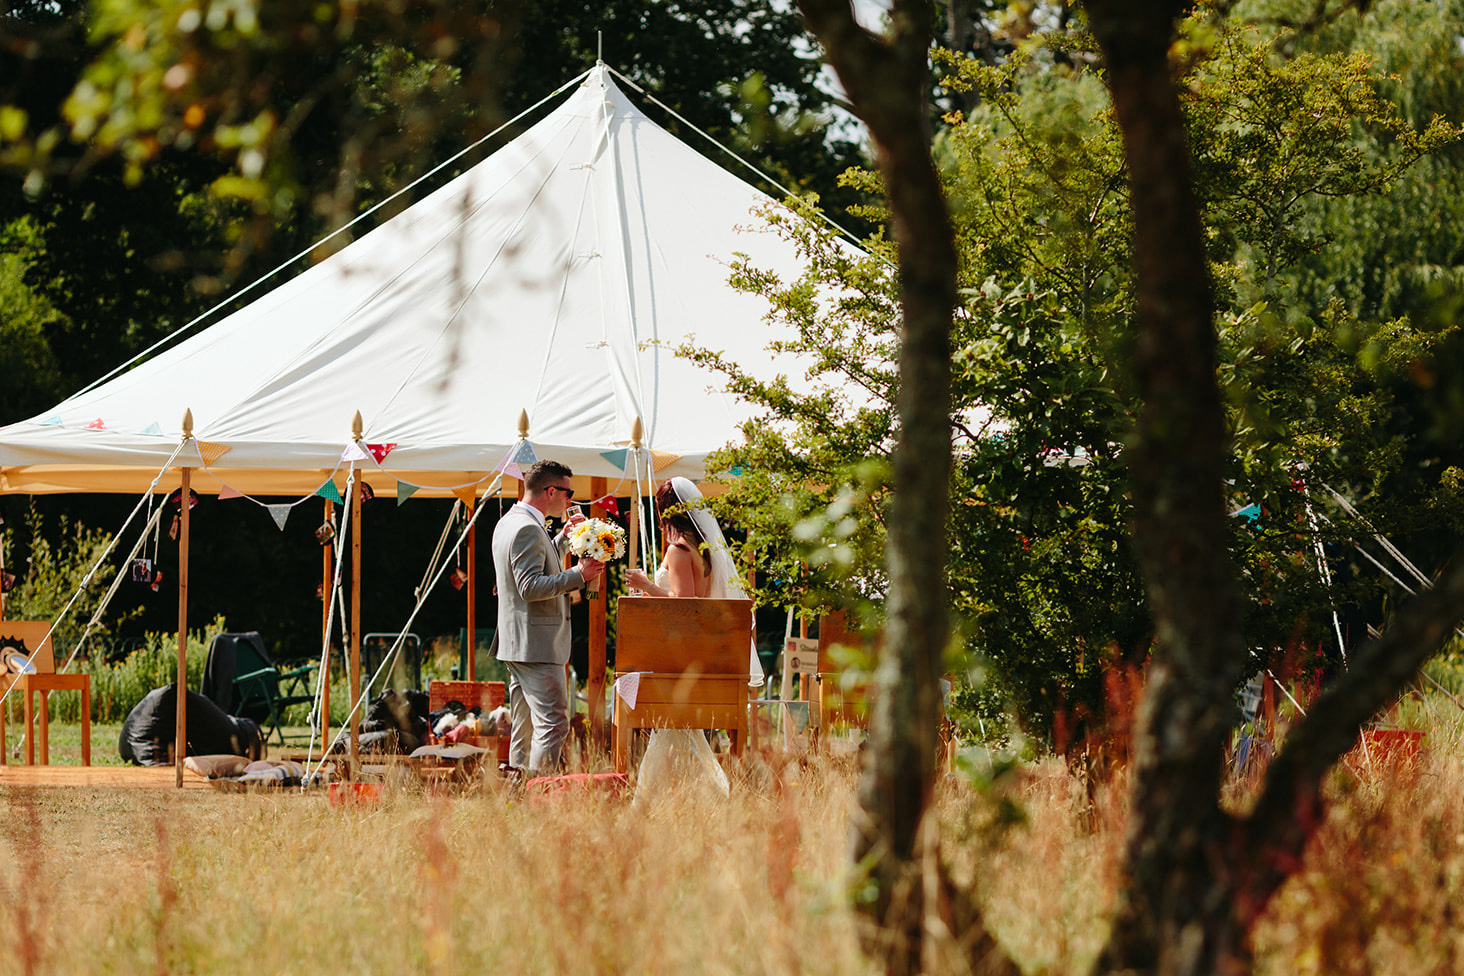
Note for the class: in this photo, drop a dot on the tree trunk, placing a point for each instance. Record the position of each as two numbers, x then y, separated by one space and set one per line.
1196 879
1173 917
886 82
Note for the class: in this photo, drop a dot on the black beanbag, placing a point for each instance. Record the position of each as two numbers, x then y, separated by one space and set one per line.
147 734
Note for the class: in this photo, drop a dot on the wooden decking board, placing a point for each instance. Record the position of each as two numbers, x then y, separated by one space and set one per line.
125 777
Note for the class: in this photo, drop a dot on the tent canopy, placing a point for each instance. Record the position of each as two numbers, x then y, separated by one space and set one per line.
557 278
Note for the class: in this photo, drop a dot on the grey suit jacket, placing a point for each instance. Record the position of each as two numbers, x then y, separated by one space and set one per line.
533 606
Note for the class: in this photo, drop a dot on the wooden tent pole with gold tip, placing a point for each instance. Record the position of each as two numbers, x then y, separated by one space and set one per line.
180 732
595 688
356 426
327 594
636 431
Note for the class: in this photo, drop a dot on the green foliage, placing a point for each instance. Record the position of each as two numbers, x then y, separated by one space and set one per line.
117 687
26 316
1041 573
56 569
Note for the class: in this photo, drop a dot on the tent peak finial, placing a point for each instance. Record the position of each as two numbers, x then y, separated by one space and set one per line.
187 422
636 431
523 424
357 426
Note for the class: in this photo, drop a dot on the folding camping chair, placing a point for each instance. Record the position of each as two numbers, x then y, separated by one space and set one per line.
242 680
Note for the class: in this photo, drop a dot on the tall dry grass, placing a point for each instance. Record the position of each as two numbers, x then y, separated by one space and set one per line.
204 882
96 881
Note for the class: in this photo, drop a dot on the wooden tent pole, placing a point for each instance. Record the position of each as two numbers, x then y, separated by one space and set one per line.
327 593
635 502
180 731
355 609
471 643
595 690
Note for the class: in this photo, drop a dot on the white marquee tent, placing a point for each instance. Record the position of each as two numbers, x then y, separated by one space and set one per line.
556 277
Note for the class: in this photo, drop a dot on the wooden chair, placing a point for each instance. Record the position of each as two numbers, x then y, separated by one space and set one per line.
692 655
839 706
30 639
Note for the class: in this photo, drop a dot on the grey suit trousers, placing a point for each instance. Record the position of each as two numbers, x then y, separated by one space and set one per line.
538 705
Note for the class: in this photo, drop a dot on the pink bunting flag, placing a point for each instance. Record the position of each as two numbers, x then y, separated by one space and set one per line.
380 451
227 492
354 452
96 425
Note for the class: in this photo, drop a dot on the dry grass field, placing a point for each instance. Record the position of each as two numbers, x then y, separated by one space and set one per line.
113 881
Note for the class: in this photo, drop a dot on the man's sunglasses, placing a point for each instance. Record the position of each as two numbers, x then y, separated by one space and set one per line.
568 492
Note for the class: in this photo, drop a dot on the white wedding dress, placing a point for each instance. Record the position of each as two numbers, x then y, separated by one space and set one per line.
679 760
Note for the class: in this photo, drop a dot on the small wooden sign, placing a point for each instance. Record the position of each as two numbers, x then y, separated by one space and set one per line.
801 655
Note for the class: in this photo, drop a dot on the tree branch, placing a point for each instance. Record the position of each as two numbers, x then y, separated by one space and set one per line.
1290 807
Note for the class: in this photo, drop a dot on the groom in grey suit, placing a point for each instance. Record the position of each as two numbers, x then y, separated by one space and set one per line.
533 615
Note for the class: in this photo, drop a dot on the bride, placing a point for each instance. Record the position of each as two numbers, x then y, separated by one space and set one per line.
696 564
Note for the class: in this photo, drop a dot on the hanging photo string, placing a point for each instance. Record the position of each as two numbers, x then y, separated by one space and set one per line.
151 528
459 576
106 554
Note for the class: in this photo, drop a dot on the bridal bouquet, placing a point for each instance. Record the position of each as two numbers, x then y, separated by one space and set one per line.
597 539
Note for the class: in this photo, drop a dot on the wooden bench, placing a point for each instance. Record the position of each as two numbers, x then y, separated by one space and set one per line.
692 655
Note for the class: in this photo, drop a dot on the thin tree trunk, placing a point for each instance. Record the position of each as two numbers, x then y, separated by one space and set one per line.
886 81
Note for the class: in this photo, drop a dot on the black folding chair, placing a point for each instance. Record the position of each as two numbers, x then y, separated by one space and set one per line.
242 680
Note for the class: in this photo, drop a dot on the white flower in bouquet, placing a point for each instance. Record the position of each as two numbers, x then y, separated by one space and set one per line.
597 539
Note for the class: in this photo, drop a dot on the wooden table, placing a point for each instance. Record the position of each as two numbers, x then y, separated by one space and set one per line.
45 684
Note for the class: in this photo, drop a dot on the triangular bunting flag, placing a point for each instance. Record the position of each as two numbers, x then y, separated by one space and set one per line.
279 513
404 491
153 429
617 458
227 492
51 422
96 425
211 452
660 460
524 453
354 452
467 494
609 504
380 451
513 470
330 492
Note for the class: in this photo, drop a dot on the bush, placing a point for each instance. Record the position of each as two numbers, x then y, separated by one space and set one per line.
117 688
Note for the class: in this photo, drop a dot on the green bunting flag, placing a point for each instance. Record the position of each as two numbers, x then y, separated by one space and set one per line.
329 491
